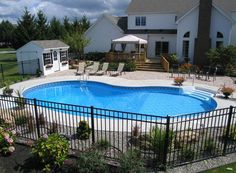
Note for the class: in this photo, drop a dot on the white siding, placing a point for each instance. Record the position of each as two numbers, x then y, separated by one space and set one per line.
152 39
188 24
154 21
219 23
100 36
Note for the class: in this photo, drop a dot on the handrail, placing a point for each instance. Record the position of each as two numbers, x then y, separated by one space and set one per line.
165 64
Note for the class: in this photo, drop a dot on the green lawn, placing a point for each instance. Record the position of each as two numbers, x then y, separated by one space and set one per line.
6 49
224 169
10 69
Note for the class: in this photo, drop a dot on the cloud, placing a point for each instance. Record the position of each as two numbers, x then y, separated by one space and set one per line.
13 9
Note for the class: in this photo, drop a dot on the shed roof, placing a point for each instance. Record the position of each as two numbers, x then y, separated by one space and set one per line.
47 44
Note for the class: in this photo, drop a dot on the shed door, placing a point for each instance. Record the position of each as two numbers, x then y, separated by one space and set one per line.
56 62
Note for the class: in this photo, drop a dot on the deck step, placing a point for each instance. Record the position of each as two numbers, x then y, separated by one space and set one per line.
149 66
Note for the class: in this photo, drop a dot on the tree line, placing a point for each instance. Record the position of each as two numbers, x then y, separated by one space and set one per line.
38 27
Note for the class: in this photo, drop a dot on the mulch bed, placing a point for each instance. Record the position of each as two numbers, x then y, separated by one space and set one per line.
22 161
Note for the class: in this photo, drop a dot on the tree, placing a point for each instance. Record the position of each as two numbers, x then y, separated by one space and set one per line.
84 23
56 29
42 26
67 24
76 41
6 33
224 57
26 29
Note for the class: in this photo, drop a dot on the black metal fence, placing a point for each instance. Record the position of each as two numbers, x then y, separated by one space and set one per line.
162 141
14 71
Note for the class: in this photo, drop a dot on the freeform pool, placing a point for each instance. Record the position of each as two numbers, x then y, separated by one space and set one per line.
159 101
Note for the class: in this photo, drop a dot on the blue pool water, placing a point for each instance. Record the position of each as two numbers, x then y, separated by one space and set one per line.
160 101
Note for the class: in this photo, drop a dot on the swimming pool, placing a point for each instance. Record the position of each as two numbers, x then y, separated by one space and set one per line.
160 101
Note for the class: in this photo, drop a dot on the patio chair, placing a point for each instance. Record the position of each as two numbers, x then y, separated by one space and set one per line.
80 68
119 70
104 69
95 68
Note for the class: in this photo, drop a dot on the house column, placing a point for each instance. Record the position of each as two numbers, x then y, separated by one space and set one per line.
203 40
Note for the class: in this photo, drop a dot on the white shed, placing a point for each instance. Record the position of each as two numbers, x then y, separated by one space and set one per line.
49 56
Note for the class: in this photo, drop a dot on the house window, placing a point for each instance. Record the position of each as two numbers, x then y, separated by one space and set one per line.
63 56
140 21
187 35
162 48
47 58
185 48
219 39
220 35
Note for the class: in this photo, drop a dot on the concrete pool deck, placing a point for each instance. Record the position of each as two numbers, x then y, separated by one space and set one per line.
139 78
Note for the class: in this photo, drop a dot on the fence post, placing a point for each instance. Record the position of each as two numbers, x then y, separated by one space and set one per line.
227 129
92 124
22 67
2 72
167 140
37 117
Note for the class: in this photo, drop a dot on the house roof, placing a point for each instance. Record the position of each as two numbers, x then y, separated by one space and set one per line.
119 21
47 44
179 7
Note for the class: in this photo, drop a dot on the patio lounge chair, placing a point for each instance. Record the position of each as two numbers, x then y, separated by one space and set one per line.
80 69
104 69
95 68
119 70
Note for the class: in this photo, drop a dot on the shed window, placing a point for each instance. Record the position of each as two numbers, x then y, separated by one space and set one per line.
47 58
63 56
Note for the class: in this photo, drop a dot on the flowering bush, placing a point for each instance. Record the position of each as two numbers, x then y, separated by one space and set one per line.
178 80
51 150
227 91
185 67
7 140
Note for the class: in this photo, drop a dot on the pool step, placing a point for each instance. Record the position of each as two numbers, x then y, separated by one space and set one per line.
202 95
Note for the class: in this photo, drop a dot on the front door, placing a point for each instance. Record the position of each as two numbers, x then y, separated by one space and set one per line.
56 63
162 48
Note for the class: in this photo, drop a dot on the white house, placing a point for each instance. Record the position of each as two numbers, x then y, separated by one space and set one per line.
48 56
188 28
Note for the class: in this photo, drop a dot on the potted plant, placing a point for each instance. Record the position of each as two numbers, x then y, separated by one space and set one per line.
226 91
83 130
179 80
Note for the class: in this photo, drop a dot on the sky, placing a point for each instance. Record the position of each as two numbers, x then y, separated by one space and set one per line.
13 9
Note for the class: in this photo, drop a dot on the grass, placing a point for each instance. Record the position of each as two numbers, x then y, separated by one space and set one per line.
10 69
6 49
224 169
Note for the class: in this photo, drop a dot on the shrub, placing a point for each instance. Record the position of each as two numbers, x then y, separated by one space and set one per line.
210 146
179 80
42 120
38 72
20 101
95 56
83 130
172 59
7 91
91 162
227 91
7 140
21 120
52 151
185 68
102 144
131 162
187 154
130 66
53 128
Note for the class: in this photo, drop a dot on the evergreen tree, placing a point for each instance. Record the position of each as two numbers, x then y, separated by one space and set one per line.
67 24
6 33
42 26
56 29
84 23
26 29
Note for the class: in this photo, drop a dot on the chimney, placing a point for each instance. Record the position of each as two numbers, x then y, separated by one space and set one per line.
203 41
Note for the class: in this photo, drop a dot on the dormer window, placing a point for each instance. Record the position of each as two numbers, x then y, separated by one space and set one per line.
140 21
